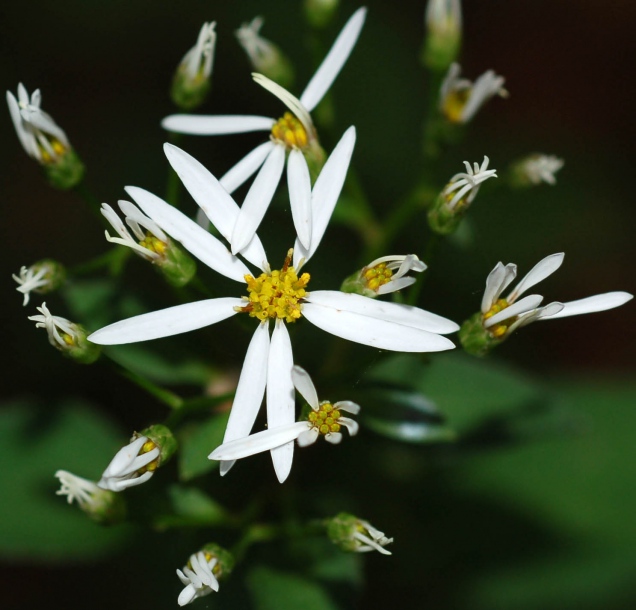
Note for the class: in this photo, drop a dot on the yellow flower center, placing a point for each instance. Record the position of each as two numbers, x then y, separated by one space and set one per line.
454 104
58 148
289 131
277 294
377 276
326 419
499 330
152 466
154 244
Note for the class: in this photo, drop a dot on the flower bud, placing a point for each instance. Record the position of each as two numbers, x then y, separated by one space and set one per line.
66 336
319 13
203 571
475 339
444 34
42 277
356 535
380 277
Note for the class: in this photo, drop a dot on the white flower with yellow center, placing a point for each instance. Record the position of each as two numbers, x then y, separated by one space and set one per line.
384 275
324 419
293 135
280 295
198 577
62 333
38 133
132 465
460 99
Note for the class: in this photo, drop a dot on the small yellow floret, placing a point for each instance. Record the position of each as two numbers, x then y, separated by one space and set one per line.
499 330
377 276
152 466
326 420
289 131
454 104
154 244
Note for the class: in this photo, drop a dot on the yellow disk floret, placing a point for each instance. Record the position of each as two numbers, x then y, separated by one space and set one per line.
277 294
454 104
152 466
289 131
326 419
499 330
152 243
377 276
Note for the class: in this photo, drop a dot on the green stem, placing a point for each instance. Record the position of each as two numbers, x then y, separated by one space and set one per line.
86 194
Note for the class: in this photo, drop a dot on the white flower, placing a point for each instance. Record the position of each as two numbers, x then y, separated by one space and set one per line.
267 363
77 488
356 535
38 133
132 465
540 168
263 54
460 98
198 578
150 243
31 280
380 276
502 316
325 419
374 541
197 62
463 187
62 332
294 133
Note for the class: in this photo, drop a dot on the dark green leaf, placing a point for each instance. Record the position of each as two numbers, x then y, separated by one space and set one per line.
197 441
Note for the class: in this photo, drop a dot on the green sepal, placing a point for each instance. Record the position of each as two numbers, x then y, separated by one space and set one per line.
475 339
54 274
82 350
442 219
319 13
225 560
106 507
189 93
440 50
164 439
66 171
177 266
355 284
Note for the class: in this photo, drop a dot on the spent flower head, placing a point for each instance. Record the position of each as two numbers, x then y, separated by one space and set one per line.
42 277
501 316
535 169
356 535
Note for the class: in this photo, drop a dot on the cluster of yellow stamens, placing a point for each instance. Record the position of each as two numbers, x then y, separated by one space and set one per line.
154 244
58 148
152 466
290 131
499 330
377 276
326 419
277 294
454 103
216 570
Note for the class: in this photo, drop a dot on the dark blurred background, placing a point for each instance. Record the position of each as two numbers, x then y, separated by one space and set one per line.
104 69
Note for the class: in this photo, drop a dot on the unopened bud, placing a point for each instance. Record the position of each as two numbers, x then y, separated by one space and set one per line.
383 275
203 571
444 34
356 535
320 13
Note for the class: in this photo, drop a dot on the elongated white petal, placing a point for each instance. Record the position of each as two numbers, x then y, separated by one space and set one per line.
348 406
309 437
373 331
496 282
351 425
536 314
394 285
303 383
526 304
258 199
299 184
335 438
216 125
167 322
280 395
207 248
266 440
25 138
538 273
246 167
405 315
598 302
325 193
333 62
250 390
217 204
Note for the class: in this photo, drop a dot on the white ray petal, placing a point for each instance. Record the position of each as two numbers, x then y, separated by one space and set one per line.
406 315
325 193
335 438
246 167
25 138
258 199
303 383
496 282
348 406
280 395
598 302
216 124
373 331
526 304
266 440
536 314
207 248
538 273
350 424
396 284
167 322
299 184
308 437
217 204
333 62
250 390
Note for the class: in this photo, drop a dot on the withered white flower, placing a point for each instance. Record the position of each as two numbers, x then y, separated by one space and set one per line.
294 133
463 187
538 168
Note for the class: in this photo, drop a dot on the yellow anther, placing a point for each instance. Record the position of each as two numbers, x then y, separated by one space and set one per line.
500 329
377 276
334 428
326 420
324 429
454 104
58 147
68 339
154 244
146 447
289 131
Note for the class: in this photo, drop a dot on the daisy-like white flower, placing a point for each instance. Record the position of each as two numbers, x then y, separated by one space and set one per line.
192 79
444 25
325 418
384 275
460 99
66 336
456 197
132 465
203 571
536 169
294 134
501 316
356 535
42 277
279 294
265 57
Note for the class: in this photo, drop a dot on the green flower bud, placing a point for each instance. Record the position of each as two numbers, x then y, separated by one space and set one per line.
320 13
443 42
383 275
177 266
163 438
65 171
475 339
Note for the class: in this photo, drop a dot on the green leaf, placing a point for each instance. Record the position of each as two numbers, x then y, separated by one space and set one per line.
192 507
197 441
276 590
35 524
